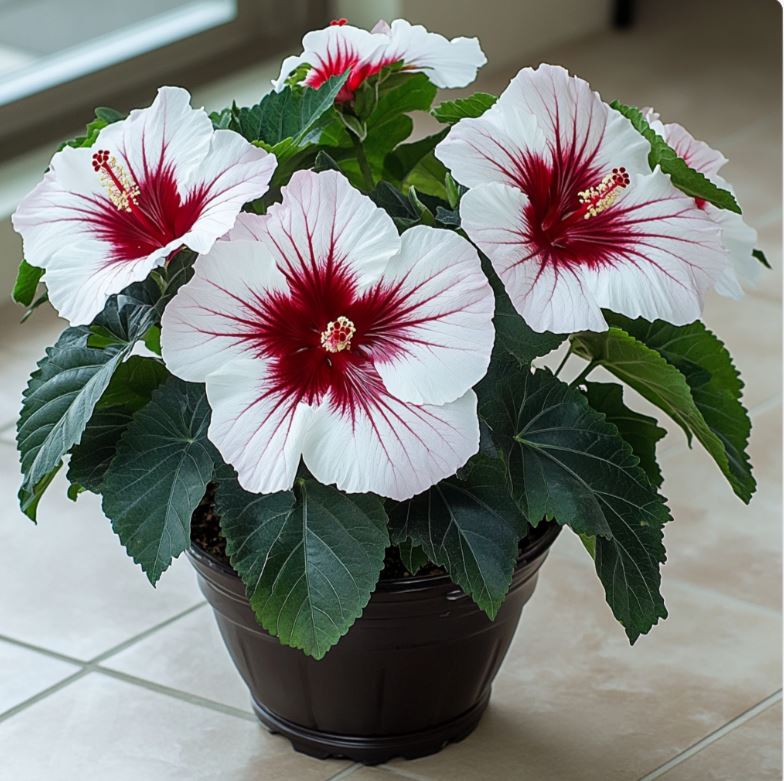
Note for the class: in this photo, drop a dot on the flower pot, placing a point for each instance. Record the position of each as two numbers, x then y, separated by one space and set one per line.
411 675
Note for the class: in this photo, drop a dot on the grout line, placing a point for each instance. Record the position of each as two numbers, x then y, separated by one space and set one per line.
345 772
402 772
714 736
43 694
145 634
41 650
177 694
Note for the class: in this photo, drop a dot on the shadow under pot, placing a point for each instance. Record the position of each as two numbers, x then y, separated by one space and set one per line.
413 673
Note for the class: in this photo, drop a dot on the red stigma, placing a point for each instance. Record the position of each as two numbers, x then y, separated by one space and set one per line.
338 22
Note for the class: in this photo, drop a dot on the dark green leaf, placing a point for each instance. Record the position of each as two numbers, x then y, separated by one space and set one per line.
288 114
760 256
470 527
451 111
133 383
27 279
309 561
640 431
412 556
91 457
59 400
688 180
567 463
159 475
403 160
686 372
396 205
109 115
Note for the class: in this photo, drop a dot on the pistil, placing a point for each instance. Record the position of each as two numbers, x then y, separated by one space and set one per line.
123 192
337 335
598 199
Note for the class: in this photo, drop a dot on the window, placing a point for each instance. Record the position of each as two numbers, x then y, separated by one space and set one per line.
59 59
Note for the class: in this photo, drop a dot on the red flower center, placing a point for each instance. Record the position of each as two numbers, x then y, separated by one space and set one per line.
570 219
141 213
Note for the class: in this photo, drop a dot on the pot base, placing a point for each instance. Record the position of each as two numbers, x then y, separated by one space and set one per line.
371 750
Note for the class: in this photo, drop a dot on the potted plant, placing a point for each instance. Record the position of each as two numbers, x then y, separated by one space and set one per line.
304 350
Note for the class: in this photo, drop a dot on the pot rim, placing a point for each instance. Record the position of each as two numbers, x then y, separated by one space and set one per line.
541 537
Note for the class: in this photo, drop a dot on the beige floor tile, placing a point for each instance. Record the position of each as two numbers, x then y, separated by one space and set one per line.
751 751
24 673
67 583
574 701
100 729
717 542
188 655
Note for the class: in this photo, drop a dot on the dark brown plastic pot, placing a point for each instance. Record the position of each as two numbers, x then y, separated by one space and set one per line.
413 673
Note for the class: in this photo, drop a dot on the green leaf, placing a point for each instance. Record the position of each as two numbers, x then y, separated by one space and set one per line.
159 475
686 372
451 111
27 279
640 431
309 560
688 180
567 463
59 400
288 114
760 256
133 383
470 527
396 205
402 161
512 333
91 457
109 115
412 556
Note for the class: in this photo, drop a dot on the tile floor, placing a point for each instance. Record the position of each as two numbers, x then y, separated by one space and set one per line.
103 678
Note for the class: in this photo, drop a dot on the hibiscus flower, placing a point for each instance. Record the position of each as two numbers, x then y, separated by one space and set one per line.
333 50
565 205
739 239
323 334
104 217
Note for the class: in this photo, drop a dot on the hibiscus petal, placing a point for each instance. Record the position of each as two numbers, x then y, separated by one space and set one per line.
382 445
447 63
213 317
324 223
234 173
547 298
579 127
259 430
671 256
492 148
433 334
740 240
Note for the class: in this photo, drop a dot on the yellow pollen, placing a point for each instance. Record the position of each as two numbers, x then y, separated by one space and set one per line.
597 199
337 336
120 187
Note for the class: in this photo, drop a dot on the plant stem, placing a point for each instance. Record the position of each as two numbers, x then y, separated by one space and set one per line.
563 361
364 166
583 374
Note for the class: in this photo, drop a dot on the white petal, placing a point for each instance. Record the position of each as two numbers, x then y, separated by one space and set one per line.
740 240
436 342
575 120
548 300
288 66
212 317
169 132
234 173
697 154
447 63
323 220
247 227
257 430
388 447
673 256
79 281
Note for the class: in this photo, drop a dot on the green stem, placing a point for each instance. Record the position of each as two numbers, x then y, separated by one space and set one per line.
364 165
563 361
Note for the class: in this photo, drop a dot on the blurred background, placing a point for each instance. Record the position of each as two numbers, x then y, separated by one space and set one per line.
89 652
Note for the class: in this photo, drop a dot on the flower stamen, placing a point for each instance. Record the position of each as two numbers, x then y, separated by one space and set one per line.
337 336
123 192
595 200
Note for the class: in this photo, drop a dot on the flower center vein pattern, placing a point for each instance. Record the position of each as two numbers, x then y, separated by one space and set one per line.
141 213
